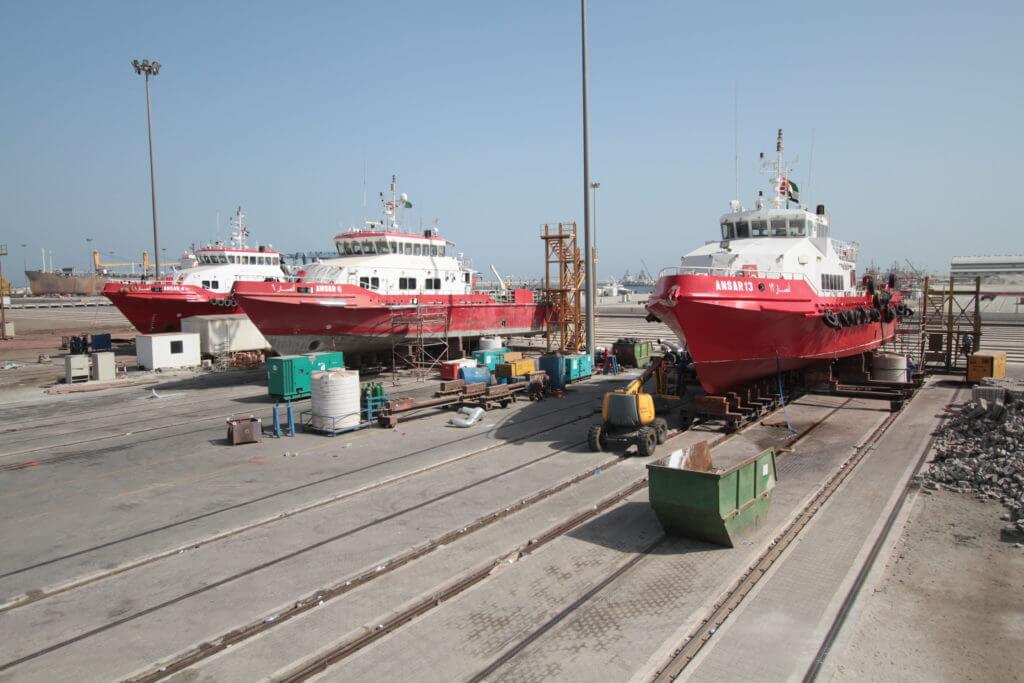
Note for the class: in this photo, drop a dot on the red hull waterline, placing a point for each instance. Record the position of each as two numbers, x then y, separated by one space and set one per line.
301 317
739 329
154 308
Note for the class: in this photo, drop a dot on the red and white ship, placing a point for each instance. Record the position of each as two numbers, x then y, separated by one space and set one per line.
385 286
775 293
202 289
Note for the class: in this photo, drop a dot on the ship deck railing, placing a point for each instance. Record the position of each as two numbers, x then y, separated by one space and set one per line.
732 272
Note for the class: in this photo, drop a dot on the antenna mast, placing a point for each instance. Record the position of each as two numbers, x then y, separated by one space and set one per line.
736 135
779 173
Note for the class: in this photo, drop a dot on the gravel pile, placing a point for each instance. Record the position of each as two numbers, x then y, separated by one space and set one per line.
981 449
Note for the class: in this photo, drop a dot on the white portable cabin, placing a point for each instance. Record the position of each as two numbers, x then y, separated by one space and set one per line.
169 350
226 333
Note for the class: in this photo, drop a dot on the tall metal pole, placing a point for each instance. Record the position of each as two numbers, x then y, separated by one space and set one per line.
588 267
3 307
151 69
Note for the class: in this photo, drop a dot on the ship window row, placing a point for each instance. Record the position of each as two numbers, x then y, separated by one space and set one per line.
369 282
831 281
432 283
407 283
350 247
240 259
211 284
776 227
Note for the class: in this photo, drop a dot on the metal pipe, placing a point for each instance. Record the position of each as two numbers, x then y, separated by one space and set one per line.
588 254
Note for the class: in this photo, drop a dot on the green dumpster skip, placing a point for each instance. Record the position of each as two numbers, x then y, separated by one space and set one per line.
699 501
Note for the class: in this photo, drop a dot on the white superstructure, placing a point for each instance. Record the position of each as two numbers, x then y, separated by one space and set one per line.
220 265
382 258
776 240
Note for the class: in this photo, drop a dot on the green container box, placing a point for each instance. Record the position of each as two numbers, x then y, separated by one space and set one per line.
578 366
490 357
717 506
288 377
633 352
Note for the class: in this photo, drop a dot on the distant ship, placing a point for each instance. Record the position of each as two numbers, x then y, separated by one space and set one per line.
641 279
69 282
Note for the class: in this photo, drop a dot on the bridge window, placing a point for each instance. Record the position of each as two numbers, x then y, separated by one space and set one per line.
797 227
396 248
742 230
778 227
408 248
727 231
382 247
759 228
433 250
357 249
369 247
440 250
416 249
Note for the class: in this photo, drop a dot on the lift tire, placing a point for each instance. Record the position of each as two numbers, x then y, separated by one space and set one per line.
596 438
647 442
832 320
661 429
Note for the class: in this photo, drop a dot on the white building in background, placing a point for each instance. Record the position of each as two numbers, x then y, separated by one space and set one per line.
987 266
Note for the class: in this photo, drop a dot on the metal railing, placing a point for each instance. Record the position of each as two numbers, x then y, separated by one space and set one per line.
734 272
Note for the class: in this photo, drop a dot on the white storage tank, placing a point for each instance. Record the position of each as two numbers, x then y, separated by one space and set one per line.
168 350
488 343
226 333
335 399
889 367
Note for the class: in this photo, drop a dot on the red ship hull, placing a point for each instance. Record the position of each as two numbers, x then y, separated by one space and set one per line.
153 308
738 329
301 317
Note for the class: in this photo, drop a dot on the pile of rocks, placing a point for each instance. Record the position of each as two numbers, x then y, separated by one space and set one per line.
982 448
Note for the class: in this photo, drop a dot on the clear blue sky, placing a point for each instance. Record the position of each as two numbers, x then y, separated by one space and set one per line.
915 108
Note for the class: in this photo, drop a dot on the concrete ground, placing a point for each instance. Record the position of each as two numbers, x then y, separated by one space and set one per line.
946 605
136 539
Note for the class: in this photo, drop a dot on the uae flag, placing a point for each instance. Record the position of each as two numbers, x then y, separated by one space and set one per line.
790 189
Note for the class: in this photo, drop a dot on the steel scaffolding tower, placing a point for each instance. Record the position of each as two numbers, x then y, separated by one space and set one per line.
949 313
419 339
564 325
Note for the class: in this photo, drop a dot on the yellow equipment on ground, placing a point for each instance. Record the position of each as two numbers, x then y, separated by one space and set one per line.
629 418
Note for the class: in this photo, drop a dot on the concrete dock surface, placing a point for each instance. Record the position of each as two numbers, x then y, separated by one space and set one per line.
138 545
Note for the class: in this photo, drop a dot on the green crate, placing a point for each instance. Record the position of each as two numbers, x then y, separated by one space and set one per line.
713 506
490 357
288 377
633 352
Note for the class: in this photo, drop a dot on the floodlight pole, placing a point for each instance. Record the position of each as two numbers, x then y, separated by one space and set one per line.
3 306
147 68
588 267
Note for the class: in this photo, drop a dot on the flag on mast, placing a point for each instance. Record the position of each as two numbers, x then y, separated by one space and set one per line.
790 189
